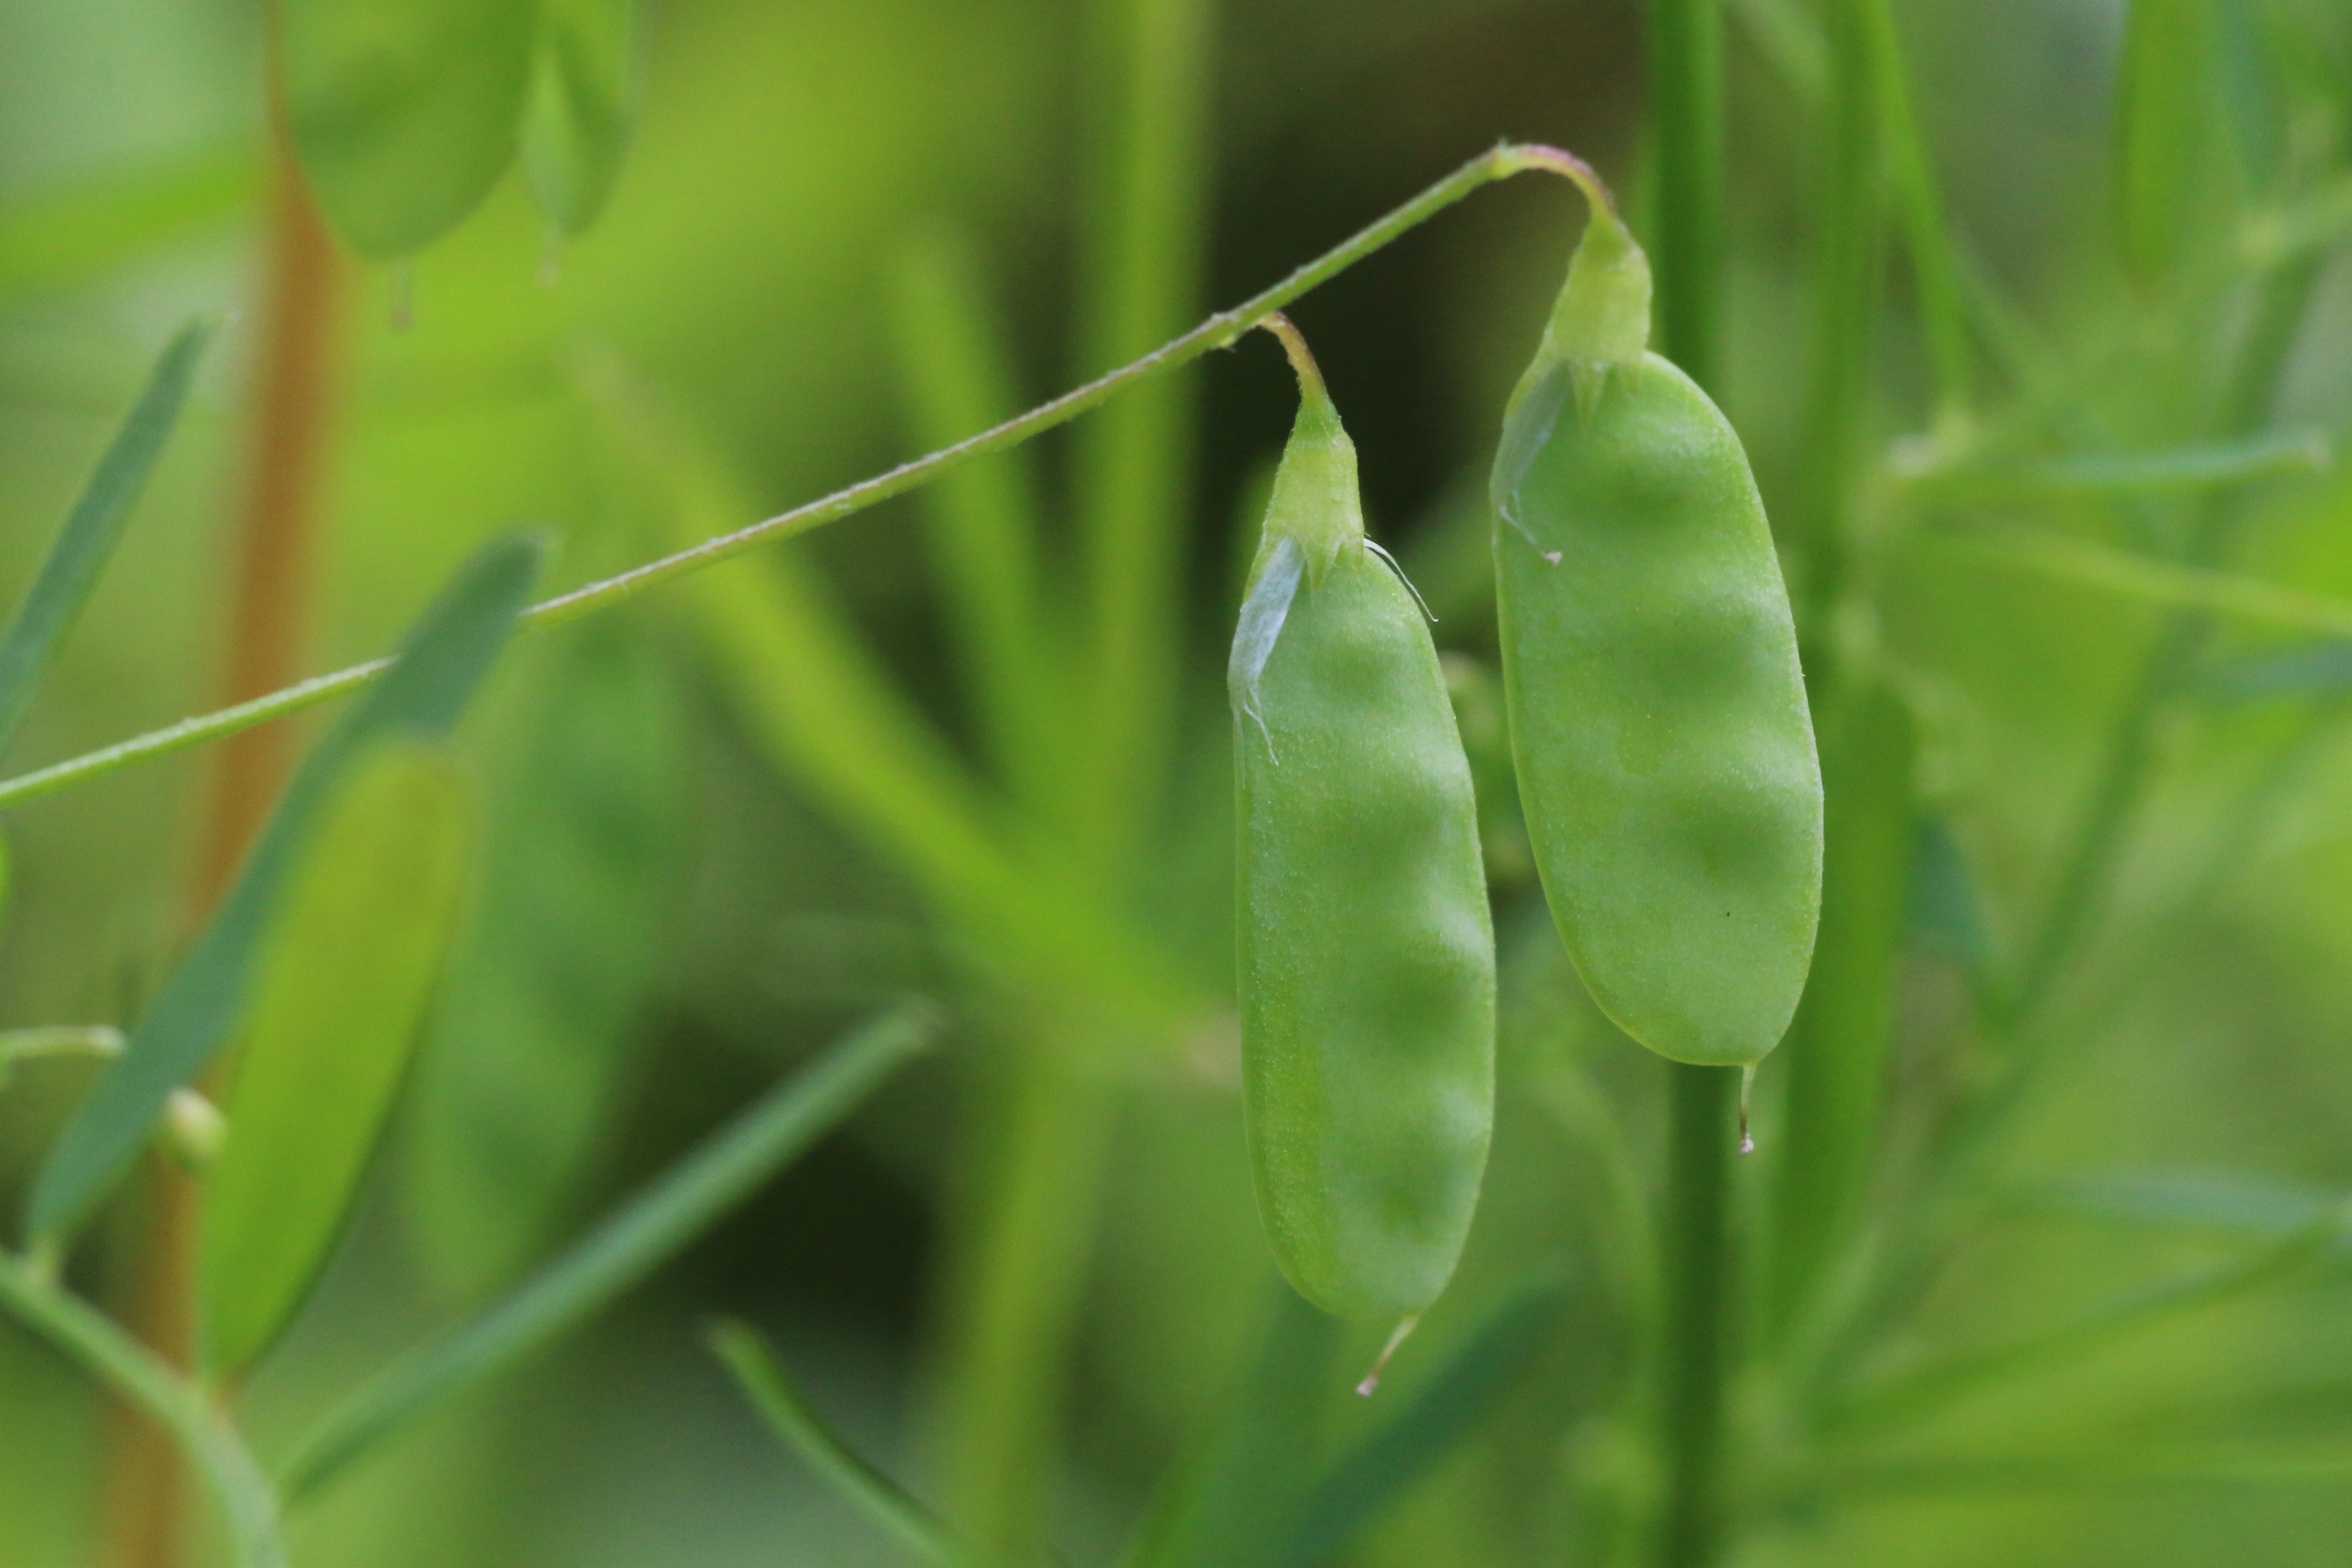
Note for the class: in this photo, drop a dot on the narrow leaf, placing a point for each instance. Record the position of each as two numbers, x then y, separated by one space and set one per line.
1947 910
647 1231
986 519
422 694
817 702
61 238
212 1445
582 110
792 1418
2124 574
1936 264
95 524
2214 465
339 997
547 986
2161 128
404 111
2214 1202
1912 1394
1836 1047
1228 1504
2320 670
1423 1428
56 1039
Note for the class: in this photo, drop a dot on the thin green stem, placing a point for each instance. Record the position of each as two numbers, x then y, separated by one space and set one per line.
1698 1284
1218 331
1686 39
213 1446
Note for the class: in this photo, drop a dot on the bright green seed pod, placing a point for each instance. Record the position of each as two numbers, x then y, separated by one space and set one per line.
1665 755
1366 950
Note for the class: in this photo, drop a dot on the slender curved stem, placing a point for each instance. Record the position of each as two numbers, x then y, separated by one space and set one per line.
211 1444
1218 331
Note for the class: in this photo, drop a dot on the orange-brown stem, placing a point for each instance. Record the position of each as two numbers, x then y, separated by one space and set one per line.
292 398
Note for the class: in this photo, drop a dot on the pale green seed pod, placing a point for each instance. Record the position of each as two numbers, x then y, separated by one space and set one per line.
1664 750
1367 953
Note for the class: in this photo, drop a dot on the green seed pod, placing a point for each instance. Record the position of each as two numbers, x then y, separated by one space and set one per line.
1367 951
1665 755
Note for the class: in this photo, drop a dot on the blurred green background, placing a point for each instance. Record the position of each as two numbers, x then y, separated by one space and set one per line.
793 155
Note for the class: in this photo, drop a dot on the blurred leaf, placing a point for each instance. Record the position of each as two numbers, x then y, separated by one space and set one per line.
2083 1468
1789 40
62 239
1422 1428
792 1418
987 518
648 1230
582 109
824 711
2313 670
2219 1204
1921 1391
1837 1045
1228 1503
1947 908
2212 466
213 1446
2250 98
404 111
2162 124
1937 266
422 694
341 992
96 524
557 960
1146 158
2124 574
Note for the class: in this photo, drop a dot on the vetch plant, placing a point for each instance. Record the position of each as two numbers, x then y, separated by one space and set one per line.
1907 797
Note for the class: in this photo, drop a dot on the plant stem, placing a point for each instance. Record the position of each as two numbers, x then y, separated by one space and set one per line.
1697 1296
170 1401
1218 331
292 399
1686 42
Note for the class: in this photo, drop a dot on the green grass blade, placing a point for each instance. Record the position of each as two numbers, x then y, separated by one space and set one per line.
1423 1428
1936 267
987 521
2314 671
341 995
2210 1203
792 1418
817 703
2124 574
62 239
1836 1049
1924 1391
583 107
2161 129
558 958
648 1230
212 1445
2076 1471
1228 1503
1785 34
96 524
447 656
2210 465
1144 254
